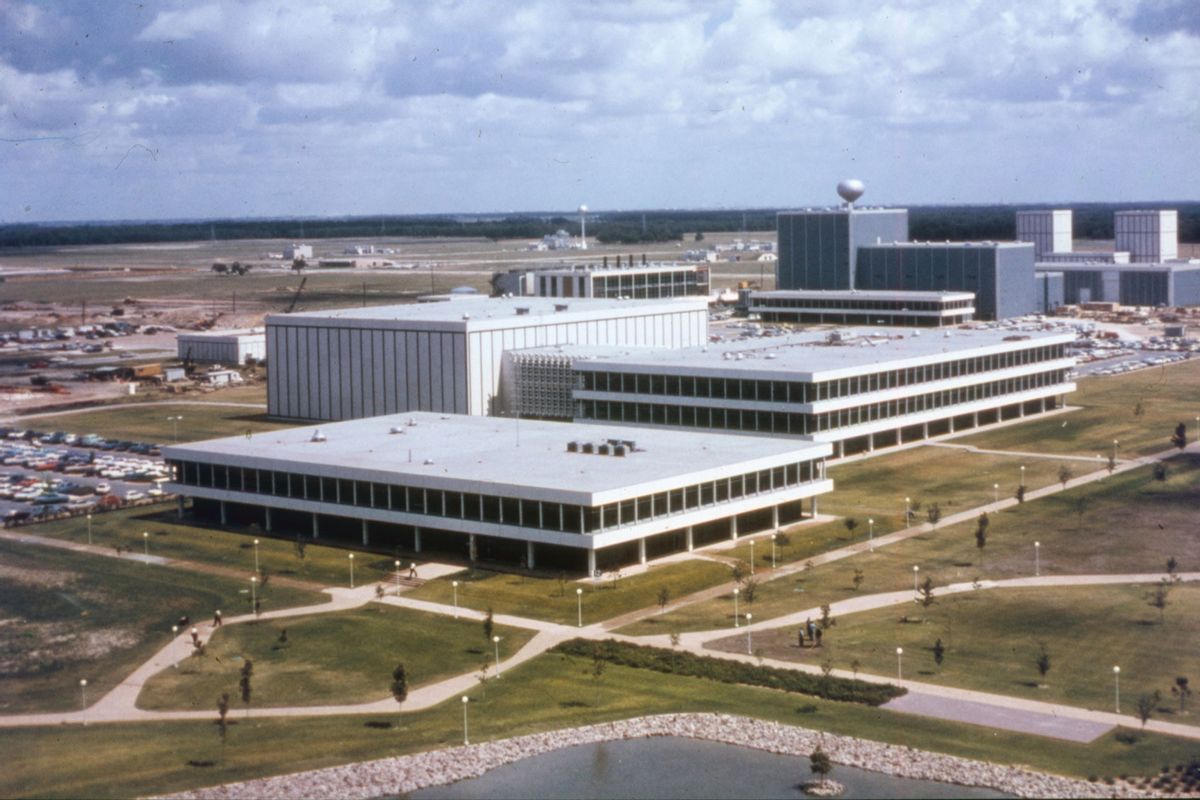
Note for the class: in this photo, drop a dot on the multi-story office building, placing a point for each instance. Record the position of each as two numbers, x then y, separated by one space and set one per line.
818 247
865 307
1148 236
1049 230
364 362
860 390
1170 284
509 491
641 282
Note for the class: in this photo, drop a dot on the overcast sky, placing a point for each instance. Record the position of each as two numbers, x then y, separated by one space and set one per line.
128 110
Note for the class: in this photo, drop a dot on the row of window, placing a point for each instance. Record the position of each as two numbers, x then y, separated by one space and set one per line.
770 303
800 392
800 424
515 511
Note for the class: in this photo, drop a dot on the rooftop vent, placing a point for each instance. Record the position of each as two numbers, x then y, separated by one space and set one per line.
619 450
572 447
588 447
317 436
603 450
561 306
428 462
395 429
466 317
522 310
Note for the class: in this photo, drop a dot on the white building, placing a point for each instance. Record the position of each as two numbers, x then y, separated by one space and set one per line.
645 281
363 362
1049 230
232 346
294 252
861 307
1148 236
539 494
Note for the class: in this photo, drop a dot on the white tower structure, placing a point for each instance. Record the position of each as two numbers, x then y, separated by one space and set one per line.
583 227
850 190
1148 236
1048 229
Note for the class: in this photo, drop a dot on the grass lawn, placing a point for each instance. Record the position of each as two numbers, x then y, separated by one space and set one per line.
1109 407
547 693
1087 529
993 638
142 423
548 599
69 616
330 658
224 548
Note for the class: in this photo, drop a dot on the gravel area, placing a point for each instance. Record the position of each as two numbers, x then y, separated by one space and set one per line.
392 776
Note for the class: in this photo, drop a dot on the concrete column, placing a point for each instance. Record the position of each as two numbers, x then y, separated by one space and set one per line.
775 517
975 418
690 543
951 421
179 507
1043 402
839 449
642 551
316 526
733 527
365 533
814 506
529 559
925 431
870 443
417 540
267 520
221 504
472 550
591 563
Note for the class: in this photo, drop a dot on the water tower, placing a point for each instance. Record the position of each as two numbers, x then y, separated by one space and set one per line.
850 190
583 227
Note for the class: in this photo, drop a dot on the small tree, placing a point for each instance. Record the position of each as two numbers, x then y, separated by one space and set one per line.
738 571
1043 661
1145 707
1065 474
981 537
939 652
1182 690
489 625
301 546
1172 565
399 684
664 597
599 665
749 589
244 683
1021 494
699 237
926 591
222 725
933 514
851 523
1159 598
1180 437
827 621
483 676
855 666
1112 464
1160 471
819 763
857 579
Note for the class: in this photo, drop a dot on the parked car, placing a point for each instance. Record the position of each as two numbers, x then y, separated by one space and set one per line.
103 488
134 494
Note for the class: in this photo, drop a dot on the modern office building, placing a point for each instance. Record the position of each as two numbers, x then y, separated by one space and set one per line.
1000 274
1051 291
1049 230
539 494
222 347
1148 236
818 247
862 307
857 390
1175 283
640 282
364 362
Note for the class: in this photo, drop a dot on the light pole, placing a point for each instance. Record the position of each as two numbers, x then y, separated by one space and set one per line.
916 569
579 608
871 535
83 697
1037 559
1198 428
1117 687
254 593
496 643
749 643
398 577
352 570
174 636
773 537
1115 443
751 556
89 520
735 607
256 569
466 739
174 428
907 510
455 585
995 493
146 545
1022 476
899 663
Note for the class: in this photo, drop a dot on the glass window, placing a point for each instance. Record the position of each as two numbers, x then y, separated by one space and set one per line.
491 508
510 510
531 514
471 509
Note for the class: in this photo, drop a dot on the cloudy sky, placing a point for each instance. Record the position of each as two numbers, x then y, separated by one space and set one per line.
191 108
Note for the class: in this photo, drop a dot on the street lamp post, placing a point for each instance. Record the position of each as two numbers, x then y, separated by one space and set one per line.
256 569
995 493
735 607
579 607
466 739
397 577
1037 559
916 570
89 521
455 585
899 663
83 697
907 510
1022 476
352 570
1115 443
174 636
871 535
751 556
174 428
254 593
773 536
146 545
496 643
1117 687
749 643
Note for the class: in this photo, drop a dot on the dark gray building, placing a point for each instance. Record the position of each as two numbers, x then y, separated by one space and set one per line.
818 247
999 273
1051 292
1169 284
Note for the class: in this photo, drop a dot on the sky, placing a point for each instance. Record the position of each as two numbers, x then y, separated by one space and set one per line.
193 108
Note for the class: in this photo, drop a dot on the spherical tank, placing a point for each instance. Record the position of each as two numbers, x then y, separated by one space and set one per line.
851 189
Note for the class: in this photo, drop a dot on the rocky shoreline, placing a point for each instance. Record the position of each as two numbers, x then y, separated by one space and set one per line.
401 774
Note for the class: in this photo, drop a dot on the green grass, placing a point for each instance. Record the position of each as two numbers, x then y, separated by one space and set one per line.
551 692
1108 410
141 423
229 549
330 658
72 616
1125 523
548 599
992 640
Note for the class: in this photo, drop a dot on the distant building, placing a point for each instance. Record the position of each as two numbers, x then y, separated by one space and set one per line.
863 307
294 252
1148 236
818 248
232 346
640 282
1048 230
1175 283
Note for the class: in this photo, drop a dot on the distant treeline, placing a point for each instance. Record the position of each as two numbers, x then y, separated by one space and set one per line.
956 223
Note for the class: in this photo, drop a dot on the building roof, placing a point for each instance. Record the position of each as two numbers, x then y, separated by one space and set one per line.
949 245
1108 266
846 210
897 295
810 356
481 454
229 333
494 312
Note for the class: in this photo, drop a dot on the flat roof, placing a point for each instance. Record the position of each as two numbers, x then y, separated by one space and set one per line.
846 210
475 453
600 269
805 355
221 334
862 294
947 245
489 313
1109 266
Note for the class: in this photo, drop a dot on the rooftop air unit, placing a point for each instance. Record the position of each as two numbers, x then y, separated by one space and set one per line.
317 436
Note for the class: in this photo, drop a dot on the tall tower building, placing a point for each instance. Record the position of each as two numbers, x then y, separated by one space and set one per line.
1048 229
1148 236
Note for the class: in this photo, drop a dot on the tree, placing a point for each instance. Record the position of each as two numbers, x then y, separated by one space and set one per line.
301 546
1021 494
819 763
981 529
699 237
933 514
1159 598
1172 565
489 625
664 597
851 523
855 666
399 684
1043 661
1112 464
939 652
482 678
738 572
857 579
749 589
1182 691
244 683
1180 437
1145 706
926 591
222 725
1065 474
1160 471
827 621
599 664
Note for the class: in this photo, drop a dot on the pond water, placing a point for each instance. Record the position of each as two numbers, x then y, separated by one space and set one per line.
670 767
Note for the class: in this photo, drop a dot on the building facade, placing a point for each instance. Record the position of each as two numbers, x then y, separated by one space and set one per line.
818 248
642 282
222 347
537 494
1048 230
1148 236
865 307
1170 284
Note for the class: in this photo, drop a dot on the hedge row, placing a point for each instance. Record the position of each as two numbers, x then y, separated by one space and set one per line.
661 659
